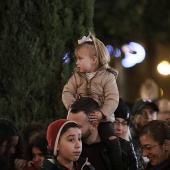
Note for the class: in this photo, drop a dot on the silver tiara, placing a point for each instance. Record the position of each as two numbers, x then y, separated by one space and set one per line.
85 39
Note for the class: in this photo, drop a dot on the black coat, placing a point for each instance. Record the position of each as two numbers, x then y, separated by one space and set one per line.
129 155
129 159
81 164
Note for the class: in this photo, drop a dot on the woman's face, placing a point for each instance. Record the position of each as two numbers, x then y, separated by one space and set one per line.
69 146
153 151
121 127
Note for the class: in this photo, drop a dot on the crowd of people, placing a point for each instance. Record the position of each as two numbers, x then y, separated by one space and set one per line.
101 131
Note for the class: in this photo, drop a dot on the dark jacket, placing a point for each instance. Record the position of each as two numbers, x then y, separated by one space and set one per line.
165 165
52 164
128 154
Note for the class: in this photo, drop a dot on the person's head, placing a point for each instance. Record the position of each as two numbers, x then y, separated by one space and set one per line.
122 120
32 130
4 137
155 141
79 112
164 109
38 150
91 54
14 136
143 112
149 90
64 139
14 149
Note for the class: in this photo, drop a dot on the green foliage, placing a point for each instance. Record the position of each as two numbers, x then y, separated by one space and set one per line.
34 37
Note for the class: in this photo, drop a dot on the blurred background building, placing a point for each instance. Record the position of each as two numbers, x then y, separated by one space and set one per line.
144 22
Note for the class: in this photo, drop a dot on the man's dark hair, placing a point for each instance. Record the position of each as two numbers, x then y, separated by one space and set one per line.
85 104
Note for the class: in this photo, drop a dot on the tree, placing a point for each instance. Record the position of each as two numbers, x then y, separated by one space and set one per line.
34 36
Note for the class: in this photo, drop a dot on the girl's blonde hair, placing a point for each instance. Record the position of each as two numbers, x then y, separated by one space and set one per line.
96 47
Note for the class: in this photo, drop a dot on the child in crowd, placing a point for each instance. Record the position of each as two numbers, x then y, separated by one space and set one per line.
64 139
38 151
93 77
30 134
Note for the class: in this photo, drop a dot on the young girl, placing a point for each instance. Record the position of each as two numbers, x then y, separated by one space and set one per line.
93 77
38 151
64 139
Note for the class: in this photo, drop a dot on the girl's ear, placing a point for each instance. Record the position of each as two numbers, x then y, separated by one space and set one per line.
94 59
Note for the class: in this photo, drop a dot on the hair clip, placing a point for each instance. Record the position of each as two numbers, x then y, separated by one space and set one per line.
85 39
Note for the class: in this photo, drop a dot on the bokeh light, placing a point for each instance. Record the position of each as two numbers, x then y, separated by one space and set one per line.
117 52
113 51
134 53
109 49
66 58
164 68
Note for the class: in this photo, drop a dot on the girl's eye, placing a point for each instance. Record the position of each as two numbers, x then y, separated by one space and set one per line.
79 139
70 140
79 58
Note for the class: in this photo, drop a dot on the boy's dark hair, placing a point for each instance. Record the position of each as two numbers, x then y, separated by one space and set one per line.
68 126
85 104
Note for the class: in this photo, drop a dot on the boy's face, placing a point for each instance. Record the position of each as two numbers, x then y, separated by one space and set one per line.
85 62
70 145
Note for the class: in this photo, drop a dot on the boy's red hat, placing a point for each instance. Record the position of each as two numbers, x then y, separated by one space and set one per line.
53 133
